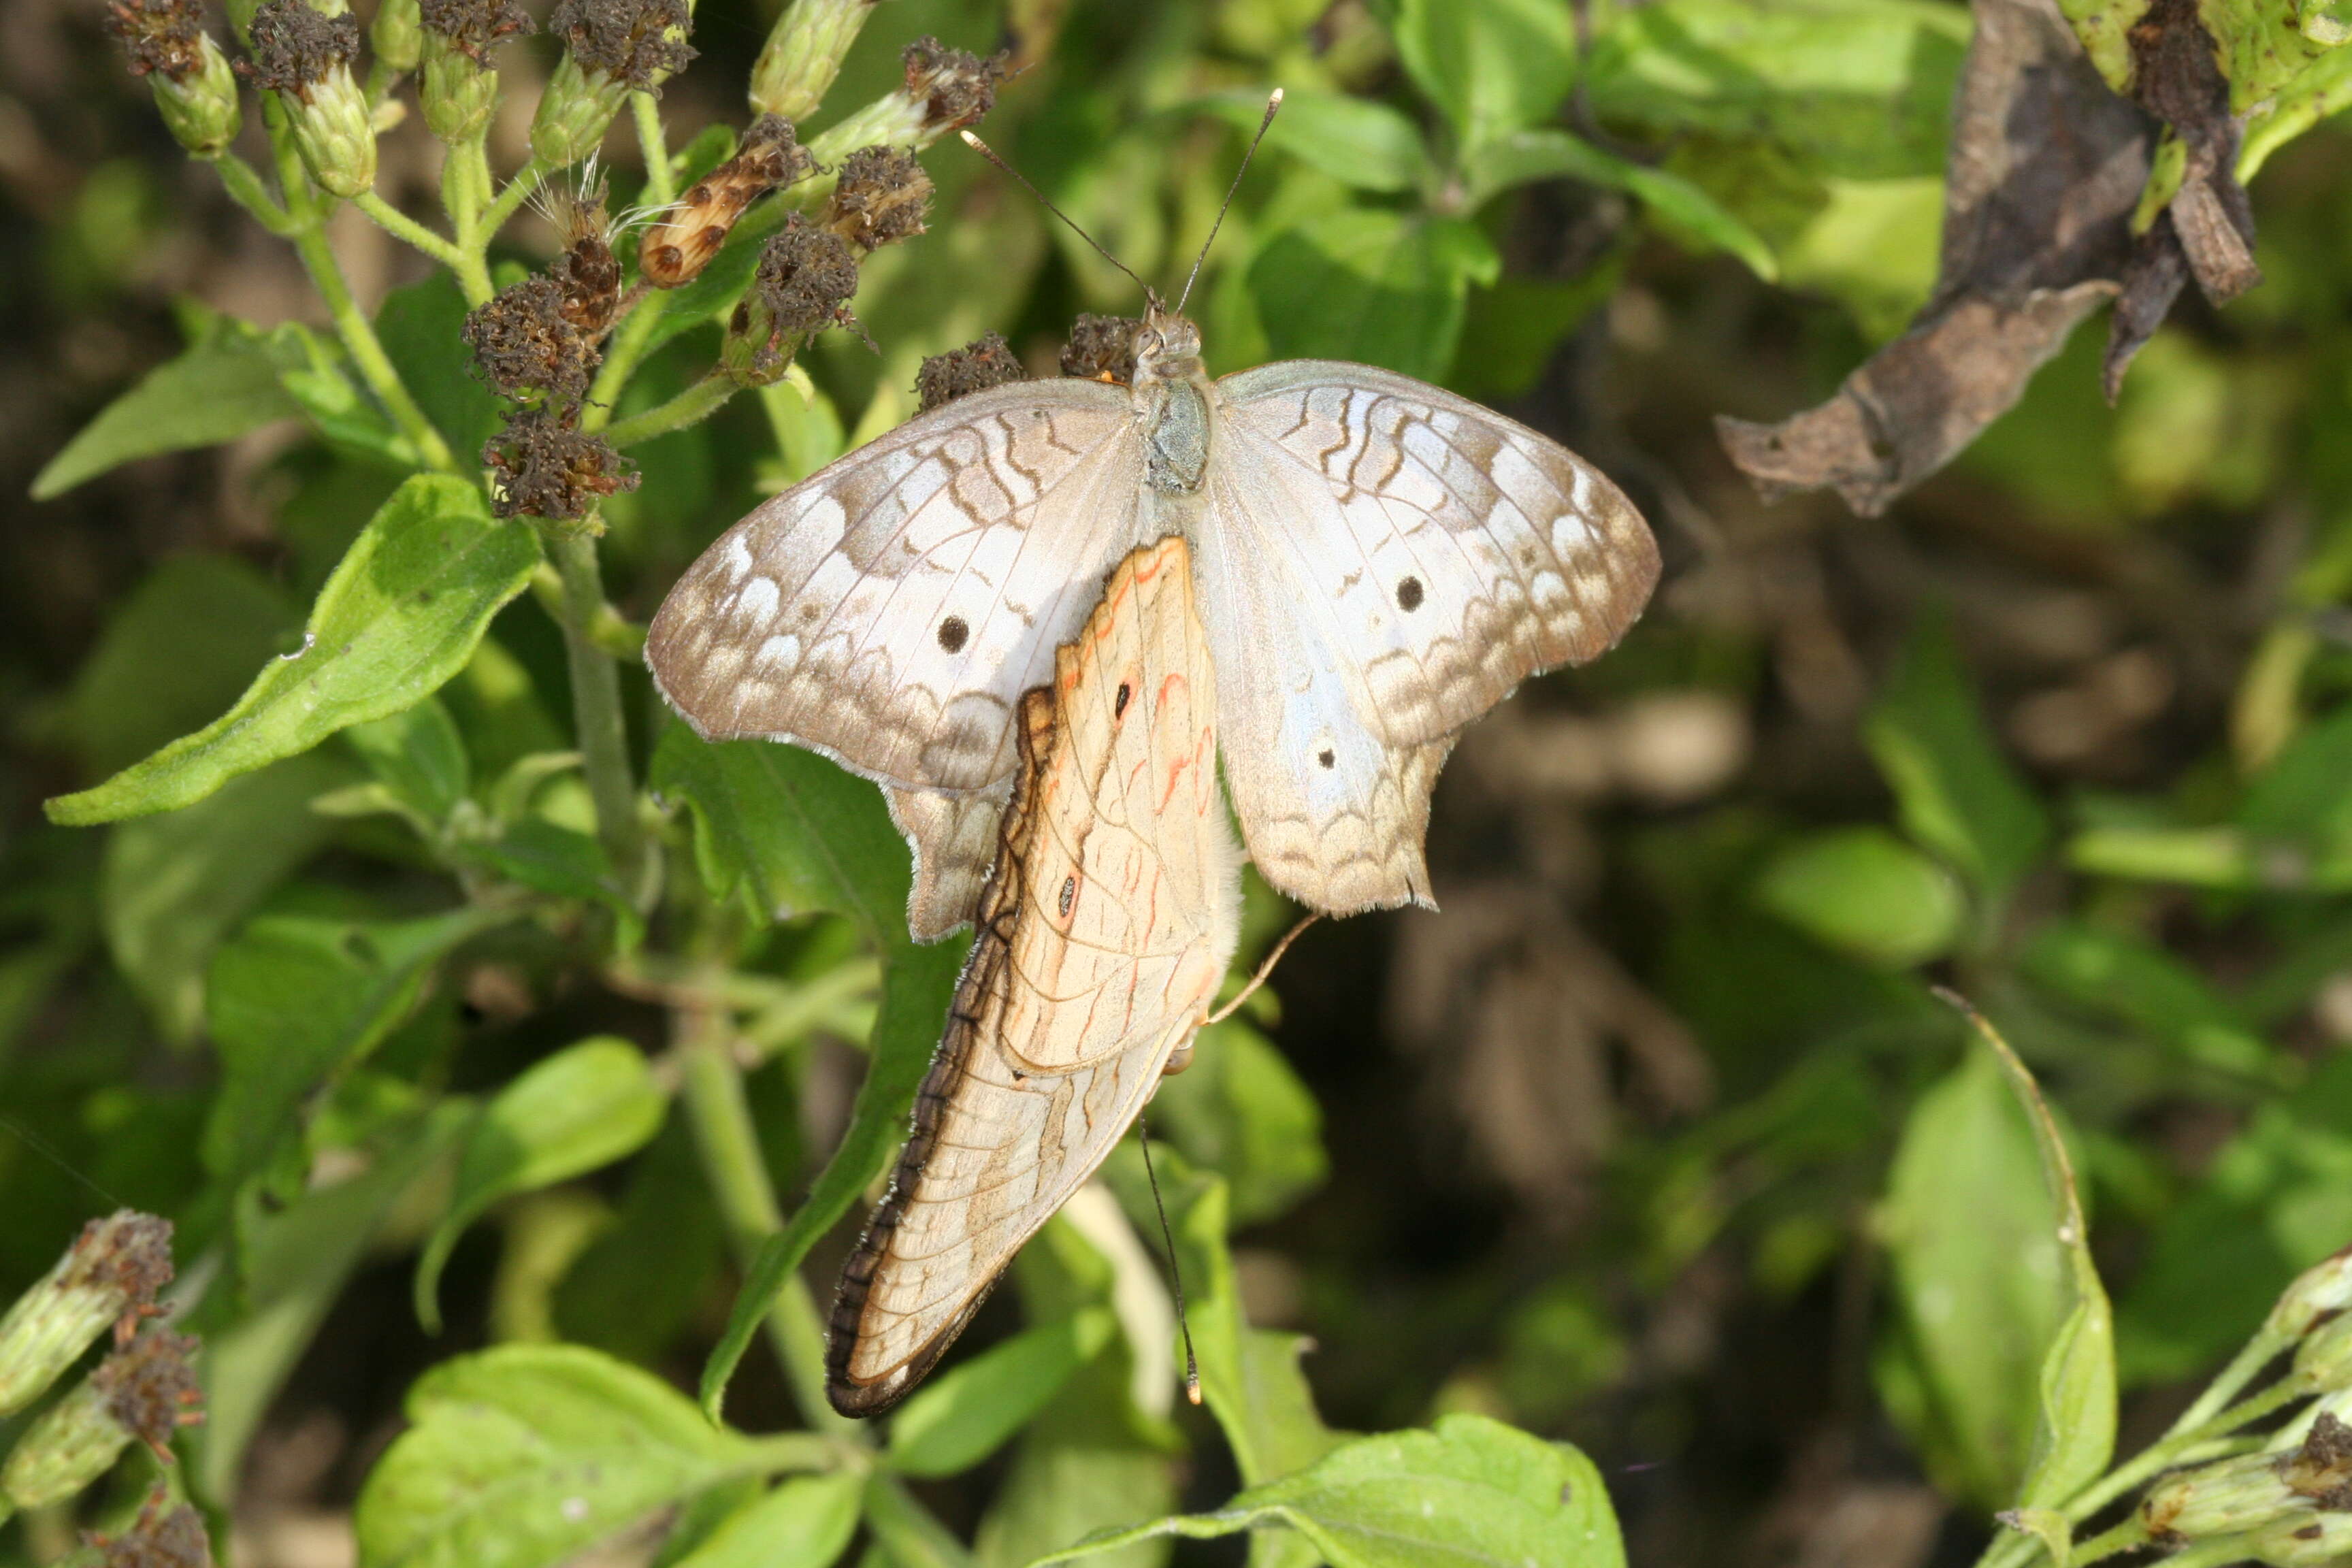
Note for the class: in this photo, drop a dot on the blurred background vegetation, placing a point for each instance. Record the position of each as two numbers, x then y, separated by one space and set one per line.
1652 1140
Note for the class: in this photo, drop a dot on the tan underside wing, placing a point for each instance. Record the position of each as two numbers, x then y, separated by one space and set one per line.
1104 932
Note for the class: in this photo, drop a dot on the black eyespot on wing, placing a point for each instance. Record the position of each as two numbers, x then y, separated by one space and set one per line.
1119 703
954 634
1326 758
1069 895
1409 594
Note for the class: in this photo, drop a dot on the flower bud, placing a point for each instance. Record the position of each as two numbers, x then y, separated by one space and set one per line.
305 57
201 111
397 34
805 279
2225 1498
454 82
610 48
108 1277
804 54
146 1391
2302 1540
676 247
2318 1294
166 42
2323 1357
985 361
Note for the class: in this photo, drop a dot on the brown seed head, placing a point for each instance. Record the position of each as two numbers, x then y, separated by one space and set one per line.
126 1252
1101 348
526 343
586 272
150 1388
954 88
164 36
295 46
473 25
805 279
628 40
985 361
548 468
2321 1469
882 195
675 250
158 1538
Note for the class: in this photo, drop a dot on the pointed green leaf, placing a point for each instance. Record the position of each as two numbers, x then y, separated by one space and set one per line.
806 1523
225 385
1367 283
400 615
1866 893
1471 1492
1358 142
579 1110
1493 66
1548 153
961 1417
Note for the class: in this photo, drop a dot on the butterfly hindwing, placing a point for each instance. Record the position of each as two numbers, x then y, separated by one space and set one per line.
1103 933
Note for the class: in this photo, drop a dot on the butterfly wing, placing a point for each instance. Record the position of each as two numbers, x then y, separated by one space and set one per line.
1070 1006
954 838
1383 562
890 609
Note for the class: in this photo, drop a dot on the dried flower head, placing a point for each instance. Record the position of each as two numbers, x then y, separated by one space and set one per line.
1101 348
985 361
159 1538
294 48
166 36
152 1388
2321 1469
526 343
587 272
471 26
954 88
677 247
629 40
804 281
882 195
547 468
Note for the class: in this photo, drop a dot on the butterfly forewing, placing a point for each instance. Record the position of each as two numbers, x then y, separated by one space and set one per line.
890 610
1103 934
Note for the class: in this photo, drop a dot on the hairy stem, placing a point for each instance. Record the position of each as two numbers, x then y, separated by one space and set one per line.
516 192
596 706
730 1146
245 188
661 180
403 227
464 195
693 405
630 344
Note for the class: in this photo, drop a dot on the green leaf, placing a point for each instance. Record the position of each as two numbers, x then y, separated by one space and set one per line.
1957 795
1473 1490
916 984
1059 1491
578 1111
2112 976
295 999
525 1456
787 830
1551 153
1492 66
399 617
173 886
175 651
2074 1431
808 1521
1364 283
417 755
1358 141
1241 1112
223 387
421 329
1864 892
295 1262
1980 1274
963 1417
2299 810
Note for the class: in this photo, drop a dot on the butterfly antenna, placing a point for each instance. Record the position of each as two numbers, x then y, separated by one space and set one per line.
985 151
1168 1239
1273 107
1263 969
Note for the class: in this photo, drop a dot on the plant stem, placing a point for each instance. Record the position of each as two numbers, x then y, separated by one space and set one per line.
516 192
693 405
730 1146
245 188
401 227
630 344
465 193
906 1530
661 181
2125 1536
597 708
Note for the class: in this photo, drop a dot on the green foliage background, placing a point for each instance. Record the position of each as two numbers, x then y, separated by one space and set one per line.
476 1110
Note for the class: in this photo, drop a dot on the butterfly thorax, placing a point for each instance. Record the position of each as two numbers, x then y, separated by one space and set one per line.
1172 398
